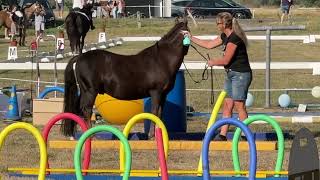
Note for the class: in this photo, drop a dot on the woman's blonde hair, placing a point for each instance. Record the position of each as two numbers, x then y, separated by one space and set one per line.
230 22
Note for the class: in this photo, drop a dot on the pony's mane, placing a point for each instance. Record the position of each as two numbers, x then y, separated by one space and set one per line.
28 5
166 37
172 30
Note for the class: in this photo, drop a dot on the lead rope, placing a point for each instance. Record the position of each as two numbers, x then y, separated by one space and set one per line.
205 75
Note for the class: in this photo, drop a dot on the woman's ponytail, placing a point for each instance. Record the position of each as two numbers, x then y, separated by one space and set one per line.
239 31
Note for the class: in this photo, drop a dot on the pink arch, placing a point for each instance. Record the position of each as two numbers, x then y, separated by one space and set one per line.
83 125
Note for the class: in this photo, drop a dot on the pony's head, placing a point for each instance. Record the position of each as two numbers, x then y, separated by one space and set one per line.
175 35
38 6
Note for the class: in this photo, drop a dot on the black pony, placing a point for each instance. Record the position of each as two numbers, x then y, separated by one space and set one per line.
77 24
150 73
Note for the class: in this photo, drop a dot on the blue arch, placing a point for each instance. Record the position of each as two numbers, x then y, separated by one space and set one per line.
208 137
50 89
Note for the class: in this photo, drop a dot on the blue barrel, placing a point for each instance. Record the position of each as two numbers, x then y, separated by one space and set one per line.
174 113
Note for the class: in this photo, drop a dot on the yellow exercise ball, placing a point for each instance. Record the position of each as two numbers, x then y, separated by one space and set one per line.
117 111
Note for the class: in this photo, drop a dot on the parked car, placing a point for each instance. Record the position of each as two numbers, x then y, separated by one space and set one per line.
207 8
49 17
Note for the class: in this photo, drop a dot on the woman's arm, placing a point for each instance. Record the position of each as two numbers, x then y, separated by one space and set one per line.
209 44
230 49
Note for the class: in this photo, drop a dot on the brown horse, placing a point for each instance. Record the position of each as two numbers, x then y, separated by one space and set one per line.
5 20
22 23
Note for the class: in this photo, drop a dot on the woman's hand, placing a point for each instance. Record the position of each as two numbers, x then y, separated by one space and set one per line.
211 63
186 33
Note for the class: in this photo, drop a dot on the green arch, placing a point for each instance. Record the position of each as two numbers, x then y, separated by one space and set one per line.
87 134
275 125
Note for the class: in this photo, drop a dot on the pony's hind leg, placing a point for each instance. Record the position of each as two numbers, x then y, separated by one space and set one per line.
22 32
78 45
71 44
86 104
82 43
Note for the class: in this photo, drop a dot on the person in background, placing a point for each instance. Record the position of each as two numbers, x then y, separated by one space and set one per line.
285 9
78 5
13 27
236 64
60 5
121 7
105 8
39 23
114 7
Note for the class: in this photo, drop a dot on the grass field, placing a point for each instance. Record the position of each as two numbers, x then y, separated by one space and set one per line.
21 150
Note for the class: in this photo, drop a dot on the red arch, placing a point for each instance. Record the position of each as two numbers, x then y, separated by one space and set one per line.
84 127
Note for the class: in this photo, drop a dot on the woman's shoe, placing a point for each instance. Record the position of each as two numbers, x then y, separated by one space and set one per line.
221 138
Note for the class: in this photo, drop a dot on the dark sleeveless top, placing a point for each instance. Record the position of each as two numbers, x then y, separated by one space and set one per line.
240 61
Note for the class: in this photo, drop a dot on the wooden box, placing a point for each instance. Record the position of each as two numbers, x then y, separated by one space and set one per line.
45 109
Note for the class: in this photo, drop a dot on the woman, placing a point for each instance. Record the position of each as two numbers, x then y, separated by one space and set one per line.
114 7
236 63
60 5
285 9
13 28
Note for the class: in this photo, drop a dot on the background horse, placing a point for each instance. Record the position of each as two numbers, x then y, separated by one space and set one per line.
77 24
150 73
27 11
5 20
23 21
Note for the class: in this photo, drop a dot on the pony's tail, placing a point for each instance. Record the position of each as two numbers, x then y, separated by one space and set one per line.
71 98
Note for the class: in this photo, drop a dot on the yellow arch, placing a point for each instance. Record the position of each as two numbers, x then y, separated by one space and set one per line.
35 132
134 120
212 120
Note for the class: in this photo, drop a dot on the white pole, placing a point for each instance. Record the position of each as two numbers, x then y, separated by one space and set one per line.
55 63
161 9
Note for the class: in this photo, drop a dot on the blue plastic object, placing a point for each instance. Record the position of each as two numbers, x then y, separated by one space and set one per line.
208 137
186 41
13 109
174 113
50 89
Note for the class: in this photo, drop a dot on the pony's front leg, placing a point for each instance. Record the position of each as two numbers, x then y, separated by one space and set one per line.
20 37
161 106
23 36
155 105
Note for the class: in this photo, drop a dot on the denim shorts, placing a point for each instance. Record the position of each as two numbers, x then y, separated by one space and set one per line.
236 84
285 9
